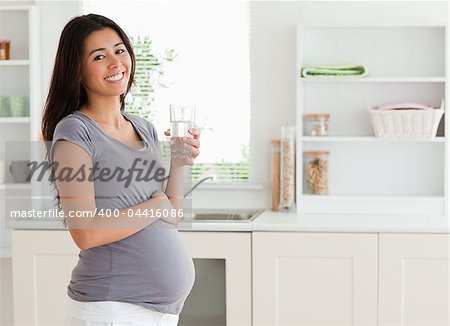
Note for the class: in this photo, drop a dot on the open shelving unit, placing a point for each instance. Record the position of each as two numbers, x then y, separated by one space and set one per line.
18 76
368 174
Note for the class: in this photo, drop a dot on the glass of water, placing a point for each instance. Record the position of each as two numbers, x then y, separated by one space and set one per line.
182 117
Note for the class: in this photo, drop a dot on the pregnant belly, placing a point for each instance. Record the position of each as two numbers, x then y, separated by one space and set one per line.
152 266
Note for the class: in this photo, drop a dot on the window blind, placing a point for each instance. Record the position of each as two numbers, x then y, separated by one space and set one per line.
211 69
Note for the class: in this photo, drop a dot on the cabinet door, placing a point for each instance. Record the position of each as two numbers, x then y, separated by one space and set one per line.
314 279
43 262
414 279
42 266
235 249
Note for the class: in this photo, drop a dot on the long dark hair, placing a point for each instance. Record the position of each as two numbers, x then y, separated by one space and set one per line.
67 94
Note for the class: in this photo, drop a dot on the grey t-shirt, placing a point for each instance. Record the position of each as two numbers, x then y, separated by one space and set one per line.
151 268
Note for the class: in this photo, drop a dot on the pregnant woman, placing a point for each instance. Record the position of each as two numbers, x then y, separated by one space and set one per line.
133 267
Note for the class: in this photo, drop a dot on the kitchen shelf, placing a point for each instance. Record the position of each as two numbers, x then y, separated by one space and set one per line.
15 186
388 176
9 63
374 80
439 199
370 25
374 205
15 120
369 139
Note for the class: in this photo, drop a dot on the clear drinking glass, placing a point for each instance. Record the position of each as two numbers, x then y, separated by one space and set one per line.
182 117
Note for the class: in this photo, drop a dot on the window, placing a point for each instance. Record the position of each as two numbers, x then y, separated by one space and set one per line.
211 69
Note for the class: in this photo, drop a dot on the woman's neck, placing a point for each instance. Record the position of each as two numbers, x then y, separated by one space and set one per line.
104 111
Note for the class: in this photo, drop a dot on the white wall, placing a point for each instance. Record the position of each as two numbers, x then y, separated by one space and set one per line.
272 36
54 15
273 54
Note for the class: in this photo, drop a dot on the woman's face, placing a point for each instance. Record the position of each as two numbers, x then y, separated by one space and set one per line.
106 64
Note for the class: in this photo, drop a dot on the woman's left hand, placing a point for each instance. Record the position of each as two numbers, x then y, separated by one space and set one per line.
191 145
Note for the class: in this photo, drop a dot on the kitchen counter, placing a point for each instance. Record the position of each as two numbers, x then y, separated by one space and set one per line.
291 222
243 226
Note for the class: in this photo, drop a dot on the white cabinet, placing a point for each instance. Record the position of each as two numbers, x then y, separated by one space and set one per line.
314 279
414 279
282 278
42 266
370 175
235 249
351 279
43 261
6 297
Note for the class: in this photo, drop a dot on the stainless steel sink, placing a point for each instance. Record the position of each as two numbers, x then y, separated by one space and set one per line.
223 215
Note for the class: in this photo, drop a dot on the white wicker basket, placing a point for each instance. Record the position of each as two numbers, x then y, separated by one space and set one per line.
406 123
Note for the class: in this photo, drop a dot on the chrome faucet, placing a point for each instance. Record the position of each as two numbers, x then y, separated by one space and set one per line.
197 184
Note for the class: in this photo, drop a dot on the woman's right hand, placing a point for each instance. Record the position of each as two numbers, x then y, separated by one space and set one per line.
169 219
189 145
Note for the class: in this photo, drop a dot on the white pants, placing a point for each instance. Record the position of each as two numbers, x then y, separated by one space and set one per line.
113 313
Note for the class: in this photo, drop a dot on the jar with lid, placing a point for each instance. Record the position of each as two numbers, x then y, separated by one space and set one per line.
316 172
4 49
316 124
275 176
287 168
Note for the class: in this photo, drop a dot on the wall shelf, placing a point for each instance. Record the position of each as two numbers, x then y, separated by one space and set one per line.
15 186
369 139
376 198
374 80
12 63
374 205
14 119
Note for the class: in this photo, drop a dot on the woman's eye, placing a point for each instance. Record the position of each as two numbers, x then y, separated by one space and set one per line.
120 51
99 57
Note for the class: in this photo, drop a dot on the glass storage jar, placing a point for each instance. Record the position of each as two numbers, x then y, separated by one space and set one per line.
287 167
275 178
316 172
316 124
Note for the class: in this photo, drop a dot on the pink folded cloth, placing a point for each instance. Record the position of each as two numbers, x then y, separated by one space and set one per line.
404 106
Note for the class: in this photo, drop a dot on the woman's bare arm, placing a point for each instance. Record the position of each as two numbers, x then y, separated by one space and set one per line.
79 196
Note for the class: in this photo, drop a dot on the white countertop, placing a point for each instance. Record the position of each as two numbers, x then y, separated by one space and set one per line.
244 226
291 222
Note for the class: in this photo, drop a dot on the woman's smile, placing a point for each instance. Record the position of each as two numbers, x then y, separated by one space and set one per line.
115 78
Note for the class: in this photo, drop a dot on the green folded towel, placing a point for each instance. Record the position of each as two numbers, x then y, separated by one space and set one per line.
334 71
